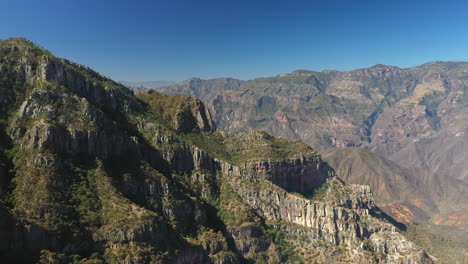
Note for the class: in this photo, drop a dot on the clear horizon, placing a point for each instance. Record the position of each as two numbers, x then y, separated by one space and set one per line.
178 40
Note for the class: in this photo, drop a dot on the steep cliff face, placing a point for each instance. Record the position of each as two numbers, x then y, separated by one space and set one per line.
149 179
301 175
340 217
183 113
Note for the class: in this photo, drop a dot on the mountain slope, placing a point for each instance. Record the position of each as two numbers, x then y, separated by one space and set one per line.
88 167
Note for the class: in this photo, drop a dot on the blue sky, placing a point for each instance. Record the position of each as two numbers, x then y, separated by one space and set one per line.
178 39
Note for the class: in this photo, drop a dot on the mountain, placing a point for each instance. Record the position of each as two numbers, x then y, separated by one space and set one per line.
141 86
414 119
92 173
202 88
392 111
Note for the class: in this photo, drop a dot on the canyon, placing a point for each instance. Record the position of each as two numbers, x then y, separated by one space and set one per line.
92 172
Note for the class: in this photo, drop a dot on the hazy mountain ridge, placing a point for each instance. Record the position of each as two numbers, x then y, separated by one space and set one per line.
197 87
142 86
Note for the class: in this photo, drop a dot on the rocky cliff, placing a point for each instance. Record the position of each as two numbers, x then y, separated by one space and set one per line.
92 173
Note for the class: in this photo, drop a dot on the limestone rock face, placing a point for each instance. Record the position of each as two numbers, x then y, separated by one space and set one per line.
184 114
194 115
77 132
70 75
301 175
349 224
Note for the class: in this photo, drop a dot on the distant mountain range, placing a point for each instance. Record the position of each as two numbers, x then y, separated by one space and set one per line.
414 120
141 86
